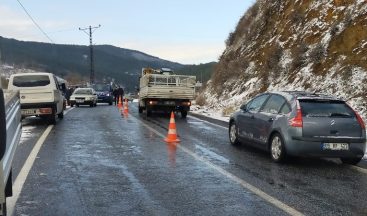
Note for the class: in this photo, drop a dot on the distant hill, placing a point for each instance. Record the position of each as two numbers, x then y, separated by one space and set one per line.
123 65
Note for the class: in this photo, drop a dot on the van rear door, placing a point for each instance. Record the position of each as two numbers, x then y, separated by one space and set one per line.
34 88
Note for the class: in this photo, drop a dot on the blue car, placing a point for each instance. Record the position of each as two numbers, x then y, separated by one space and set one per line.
104 93
300 124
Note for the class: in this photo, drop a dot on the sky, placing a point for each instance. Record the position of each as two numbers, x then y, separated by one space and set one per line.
188 32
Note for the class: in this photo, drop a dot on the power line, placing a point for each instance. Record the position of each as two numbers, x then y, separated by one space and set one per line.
39 27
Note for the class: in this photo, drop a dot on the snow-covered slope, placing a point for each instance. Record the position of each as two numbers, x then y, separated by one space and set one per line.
318 46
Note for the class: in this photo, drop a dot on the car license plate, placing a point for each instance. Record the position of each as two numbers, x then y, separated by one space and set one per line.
29 112
80 101
335 146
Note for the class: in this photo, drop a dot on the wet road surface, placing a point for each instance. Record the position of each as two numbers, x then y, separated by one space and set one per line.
99 162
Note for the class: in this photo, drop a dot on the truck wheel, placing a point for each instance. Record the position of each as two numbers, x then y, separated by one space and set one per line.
61 115
149 112
140 109
183 114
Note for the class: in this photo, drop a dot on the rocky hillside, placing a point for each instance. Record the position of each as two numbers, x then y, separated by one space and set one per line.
318 46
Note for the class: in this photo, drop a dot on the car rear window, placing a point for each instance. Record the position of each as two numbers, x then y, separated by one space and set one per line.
31 81
319 108
101 87
83 91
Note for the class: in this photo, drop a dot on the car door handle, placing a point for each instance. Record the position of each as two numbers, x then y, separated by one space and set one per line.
270 120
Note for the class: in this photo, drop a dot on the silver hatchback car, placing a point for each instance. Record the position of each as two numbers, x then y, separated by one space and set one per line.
300 124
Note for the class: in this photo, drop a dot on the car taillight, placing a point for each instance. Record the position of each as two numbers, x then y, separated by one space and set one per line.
359 118
297 121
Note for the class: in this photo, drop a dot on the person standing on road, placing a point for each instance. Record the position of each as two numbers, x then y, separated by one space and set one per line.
119 93
114 92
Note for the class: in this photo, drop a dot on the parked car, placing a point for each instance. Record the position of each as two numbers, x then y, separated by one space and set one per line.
41 94
83 96
300 124
104 92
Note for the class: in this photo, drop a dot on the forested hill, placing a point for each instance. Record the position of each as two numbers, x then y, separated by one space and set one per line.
123 65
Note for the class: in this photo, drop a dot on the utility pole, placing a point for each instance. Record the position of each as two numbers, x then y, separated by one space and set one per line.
89 31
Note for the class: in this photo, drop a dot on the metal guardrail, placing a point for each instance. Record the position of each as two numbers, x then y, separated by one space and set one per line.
10 132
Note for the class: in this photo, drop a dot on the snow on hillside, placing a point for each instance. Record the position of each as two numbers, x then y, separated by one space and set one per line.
316 46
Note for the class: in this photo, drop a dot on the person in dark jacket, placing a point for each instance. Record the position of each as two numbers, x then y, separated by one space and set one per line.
119 93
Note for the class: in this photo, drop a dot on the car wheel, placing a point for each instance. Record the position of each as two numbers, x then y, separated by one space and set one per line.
277 149
233 135
61 115
183 114
140 109
351 161
110 103
77 105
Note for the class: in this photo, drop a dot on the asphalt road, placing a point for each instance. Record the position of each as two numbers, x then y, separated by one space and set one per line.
98 162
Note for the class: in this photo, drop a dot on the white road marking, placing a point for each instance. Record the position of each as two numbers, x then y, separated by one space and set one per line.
277 203
208 122
359 169
19 182
23 174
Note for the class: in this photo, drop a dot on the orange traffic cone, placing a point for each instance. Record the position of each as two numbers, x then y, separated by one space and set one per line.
172 132
126 106
119 105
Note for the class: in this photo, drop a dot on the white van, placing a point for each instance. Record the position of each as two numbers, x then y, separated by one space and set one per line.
40 95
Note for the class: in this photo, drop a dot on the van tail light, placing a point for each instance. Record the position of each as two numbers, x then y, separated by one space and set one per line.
359 118
297 121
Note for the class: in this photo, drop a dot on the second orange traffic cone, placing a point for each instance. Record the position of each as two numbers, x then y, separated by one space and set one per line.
172 132
126 106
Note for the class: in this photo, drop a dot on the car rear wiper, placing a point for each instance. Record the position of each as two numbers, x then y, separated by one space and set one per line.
339 115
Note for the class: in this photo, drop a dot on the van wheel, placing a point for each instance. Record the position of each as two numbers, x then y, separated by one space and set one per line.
61 115
3 208
351 161
52 119
277 149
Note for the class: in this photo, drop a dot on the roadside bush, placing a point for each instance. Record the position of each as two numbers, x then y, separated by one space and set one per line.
299 56
200 100
228 110
317 54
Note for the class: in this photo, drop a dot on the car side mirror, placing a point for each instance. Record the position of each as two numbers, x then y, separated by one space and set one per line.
244 108
2 125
